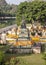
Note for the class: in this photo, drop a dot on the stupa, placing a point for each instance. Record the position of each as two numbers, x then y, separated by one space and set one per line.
23 34
23 25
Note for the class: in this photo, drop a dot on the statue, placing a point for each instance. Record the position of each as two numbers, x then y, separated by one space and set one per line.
23 25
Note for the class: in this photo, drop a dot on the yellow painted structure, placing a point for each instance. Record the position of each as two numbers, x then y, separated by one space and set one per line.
39 39
35 39
23 43
23 33
12 36
43 39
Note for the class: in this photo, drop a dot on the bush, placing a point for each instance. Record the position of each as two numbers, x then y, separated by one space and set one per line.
13 61
7 63
44 56
1 57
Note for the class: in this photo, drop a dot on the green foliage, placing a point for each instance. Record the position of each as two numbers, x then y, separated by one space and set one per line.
8 10
1 57
7 63
4 60
32 11
13 61
7 23
44 56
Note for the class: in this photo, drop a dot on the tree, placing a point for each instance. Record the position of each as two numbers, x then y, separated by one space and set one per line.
32 11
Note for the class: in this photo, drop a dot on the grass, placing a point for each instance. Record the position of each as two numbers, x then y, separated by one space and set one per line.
34 59
28 59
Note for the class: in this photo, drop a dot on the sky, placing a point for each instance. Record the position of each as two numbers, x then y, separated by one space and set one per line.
14 1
